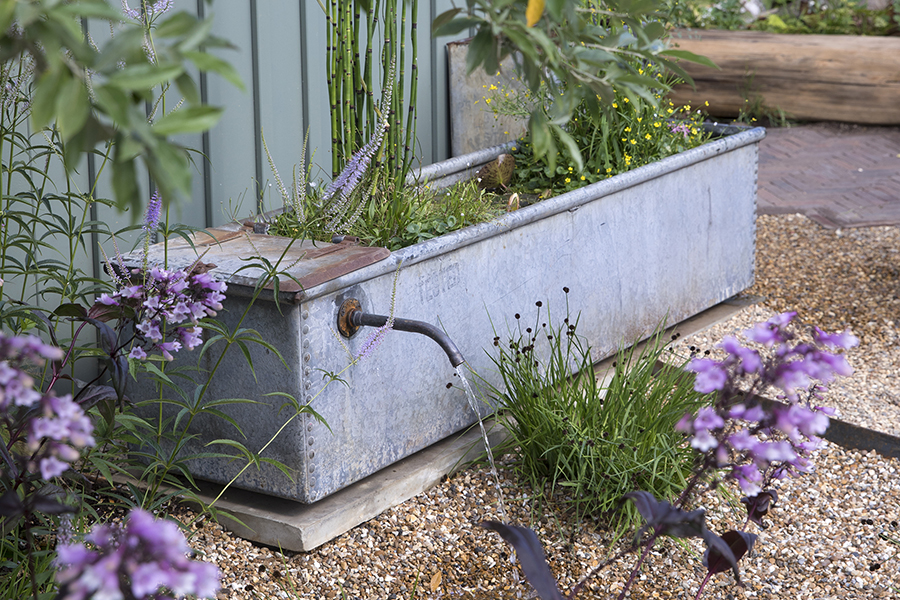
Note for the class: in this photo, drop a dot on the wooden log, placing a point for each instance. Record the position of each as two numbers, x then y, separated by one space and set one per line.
855 79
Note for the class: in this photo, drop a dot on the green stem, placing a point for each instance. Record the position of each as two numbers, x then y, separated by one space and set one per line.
409 145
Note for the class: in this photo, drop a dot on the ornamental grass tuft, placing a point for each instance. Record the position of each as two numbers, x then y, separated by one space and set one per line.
588 442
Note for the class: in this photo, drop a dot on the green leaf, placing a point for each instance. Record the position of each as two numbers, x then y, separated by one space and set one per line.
196 36
209 62
114 102
188 88
97 9
690 56
555 8
72 108
44 98
181 23
145 76
541 138
171 170
570 145
7 12
441 20
654 30
124 182
479 50
194 119
457 25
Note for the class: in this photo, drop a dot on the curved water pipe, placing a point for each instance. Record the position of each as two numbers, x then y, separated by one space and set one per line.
351 318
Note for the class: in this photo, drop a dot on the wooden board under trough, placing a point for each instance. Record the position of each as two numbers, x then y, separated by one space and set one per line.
855 79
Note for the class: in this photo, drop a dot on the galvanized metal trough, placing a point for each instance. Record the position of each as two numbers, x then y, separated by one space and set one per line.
664 241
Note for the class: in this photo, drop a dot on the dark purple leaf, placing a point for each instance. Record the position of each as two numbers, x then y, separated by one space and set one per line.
108 337
759 505
667 520
70 310
531 556
11 504
724 552
104 312
51 504
94 394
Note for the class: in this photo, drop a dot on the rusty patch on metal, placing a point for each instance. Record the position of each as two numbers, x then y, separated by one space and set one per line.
232 253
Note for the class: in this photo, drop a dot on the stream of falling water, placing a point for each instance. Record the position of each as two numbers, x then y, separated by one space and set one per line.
473 402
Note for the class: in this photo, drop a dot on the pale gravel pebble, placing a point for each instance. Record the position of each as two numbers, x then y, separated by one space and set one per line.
823 535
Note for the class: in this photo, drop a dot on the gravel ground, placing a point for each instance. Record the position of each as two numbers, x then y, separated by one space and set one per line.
828 536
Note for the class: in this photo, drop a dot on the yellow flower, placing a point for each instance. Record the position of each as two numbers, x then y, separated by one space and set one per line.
670 111
609 169
615 105
487 100
648 136
513 148
657 124
639 119
583 177
628 129
706 103
568 180
693 130
505 133
626 100
633 141
624 139
493 87
570 169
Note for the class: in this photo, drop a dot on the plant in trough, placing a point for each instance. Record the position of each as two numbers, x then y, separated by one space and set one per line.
633 133
580 51
739 437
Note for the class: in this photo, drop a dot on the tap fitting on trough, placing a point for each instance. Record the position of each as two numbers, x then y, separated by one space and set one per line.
351 318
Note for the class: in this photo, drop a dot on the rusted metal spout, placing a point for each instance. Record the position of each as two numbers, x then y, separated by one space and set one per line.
351 318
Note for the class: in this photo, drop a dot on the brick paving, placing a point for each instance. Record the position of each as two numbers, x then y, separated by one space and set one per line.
836 174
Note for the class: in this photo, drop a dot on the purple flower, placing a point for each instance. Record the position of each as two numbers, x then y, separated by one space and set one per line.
152 216
686 424
137 353
742 440
168 347
107 300
740 411
845 339
748 477
711 375
148 556
771 331
769 452
52 467
703 441
708 418
682 129
54 436
374 340
749 359
190 337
